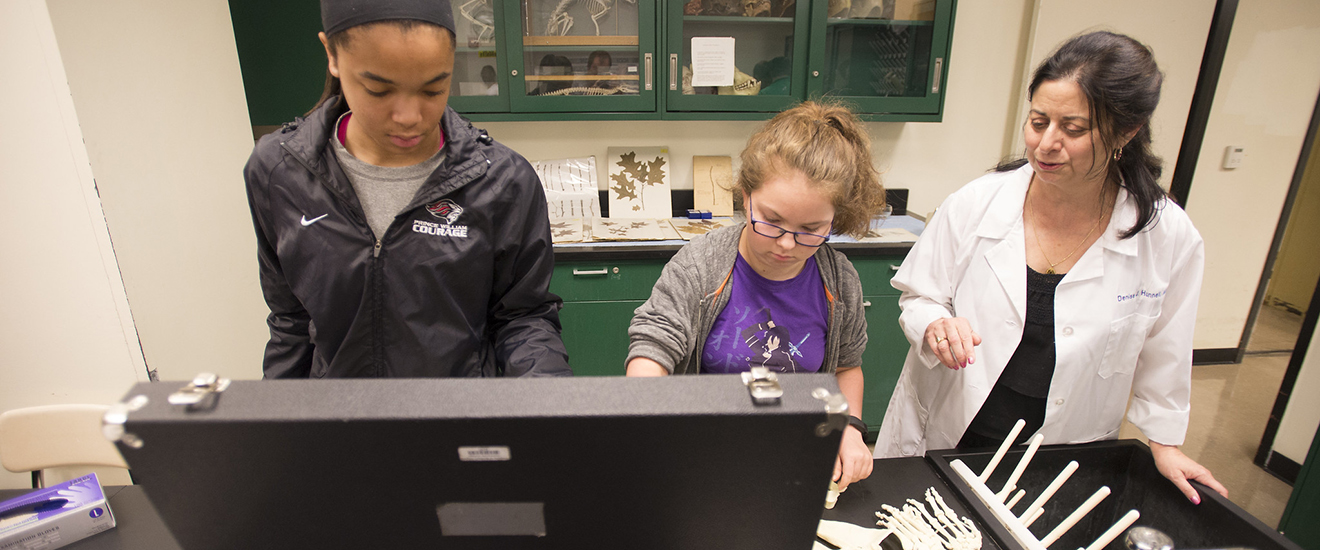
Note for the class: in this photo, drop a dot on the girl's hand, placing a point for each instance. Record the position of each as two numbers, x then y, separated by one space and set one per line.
854 461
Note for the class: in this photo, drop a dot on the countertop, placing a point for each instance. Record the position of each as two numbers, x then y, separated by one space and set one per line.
640 250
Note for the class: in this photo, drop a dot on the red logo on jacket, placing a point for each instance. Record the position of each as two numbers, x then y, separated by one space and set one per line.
445 209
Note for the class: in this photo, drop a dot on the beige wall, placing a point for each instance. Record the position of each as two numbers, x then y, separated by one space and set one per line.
1298 266
157 88
1178 53
66 335
1264 101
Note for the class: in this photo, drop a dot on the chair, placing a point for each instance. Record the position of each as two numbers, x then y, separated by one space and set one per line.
35 439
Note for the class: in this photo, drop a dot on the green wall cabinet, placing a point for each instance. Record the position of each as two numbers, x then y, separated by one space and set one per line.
282 61
600 297
553 60
770 59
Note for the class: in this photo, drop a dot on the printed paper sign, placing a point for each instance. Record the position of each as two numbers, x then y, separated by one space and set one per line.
712 61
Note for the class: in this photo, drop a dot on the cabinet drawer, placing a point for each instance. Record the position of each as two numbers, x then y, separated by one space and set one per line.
875 273
600 281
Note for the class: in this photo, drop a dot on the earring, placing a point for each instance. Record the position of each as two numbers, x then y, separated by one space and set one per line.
1118 154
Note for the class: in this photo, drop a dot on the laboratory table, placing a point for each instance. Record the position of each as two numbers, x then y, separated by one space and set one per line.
1125 466
139 527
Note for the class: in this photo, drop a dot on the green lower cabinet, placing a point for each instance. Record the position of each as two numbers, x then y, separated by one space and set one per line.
596 335
875 273
886 348
599 299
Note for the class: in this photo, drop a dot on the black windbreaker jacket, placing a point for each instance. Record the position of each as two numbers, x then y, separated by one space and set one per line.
458 286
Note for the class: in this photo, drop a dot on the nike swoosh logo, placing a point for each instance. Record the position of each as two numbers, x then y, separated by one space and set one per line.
306 222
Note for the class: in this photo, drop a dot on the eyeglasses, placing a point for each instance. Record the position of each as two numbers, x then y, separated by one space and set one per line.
774 231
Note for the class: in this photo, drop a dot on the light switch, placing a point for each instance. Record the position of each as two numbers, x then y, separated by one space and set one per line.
1233 156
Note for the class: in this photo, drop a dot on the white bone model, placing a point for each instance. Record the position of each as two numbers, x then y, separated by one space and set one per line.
560 22
482 17
1017 524
918 530
915 528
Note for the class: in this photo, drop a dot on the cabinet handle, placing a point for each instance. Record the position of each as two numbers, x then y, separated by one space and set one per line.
866 303
673 71
648 72
894 267
939 68
583 272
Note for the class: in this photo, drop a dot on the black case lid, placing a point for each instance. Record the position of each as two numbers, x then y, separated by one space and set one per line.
676 462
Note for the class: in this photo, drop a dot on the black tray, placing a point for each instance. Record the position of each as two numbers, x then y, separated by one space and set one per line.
1128 468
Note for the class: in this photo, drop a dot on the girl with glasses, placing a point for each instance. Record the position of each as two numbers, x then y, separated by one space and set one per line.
771 293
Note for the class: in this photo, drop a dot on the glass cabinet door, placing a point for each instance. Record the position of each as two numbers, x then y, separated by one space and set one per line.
769 42
884 56
583 56
476 81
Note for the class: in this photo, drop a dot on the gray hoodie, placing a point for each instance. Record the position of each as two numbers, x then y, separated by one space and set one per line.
672 326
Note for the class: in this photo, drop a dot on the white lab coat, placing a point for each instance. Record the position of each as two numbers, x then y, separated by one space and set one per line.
1123 322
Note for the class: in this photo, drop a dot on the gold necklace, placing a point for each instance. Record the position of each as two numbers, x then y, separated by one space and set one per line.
1050 271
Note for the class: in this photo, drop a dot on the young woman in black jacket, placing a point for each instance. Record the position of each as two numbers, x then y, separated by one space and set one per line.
394 239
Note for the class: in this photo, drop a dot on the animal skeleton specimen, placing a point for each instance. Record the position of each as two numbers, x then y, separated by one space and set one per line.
560 21
482 17
589 90
756 8
743 84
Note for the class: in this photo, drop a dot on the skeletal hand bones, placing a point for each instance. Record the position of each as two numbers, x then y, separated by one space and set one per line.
918 530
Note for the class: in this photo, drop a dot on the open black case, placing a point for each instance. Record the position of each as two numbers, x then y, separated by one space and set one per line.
1128 469
679 462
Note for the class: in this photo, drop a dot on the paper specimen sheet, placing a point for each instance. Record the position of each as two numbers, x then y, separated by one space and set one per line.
639 182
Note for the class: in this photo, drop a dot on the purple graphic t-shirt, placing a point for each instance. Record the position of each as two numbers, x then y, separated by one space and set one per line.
775 324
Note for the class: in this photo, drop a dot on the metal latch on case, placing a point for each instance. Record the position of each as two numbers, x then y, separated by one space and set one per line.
763 386
202 386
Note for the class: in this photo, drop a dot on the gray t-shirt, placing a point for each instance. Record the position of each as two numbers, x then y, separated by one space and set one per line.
383 190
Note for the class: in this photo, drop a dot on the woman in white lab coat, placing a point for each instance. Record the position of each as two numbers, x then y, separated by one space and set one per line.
1055 287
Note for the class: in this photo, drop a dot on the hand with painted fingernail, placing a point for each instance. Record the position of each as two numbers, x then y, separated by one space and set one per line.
953 341
1180 469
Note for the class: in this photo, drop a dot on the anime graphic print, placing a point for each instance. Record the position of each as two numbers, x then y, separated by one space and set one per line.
780 325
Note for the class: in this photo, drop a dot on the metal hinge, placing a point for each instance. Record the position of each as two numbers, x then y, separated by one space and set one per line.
836 406
112 424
